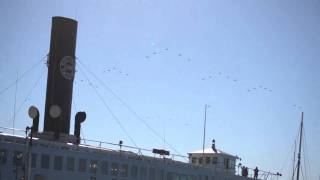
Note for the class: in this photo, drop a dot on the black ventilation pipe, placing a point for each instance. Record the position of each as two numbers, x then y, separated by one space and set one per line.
80 117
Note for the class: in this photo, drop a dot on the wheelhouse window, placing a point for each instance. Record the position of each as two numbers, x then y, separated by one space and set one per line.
17 158
200 160
70 163
194 160
124 170
93 166
114 169
3 156
134 171
82 165
45 159
104 167
57 163
33 160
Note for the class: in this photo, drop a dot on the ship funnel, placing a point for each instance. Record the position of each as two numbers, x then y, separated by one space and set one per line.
61 72
80 117
34 114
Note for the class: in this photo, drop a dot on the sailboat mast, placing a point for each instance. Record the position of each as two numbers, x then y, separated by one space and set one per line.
299 153
294 159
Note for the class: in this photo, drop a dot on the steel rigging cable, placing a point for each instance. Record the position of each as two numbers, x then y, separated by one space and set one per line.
129 108
108 108
27 97
21 76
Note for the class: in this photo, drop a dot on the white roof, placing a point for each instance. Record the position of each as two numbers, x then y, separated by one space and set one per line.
210 151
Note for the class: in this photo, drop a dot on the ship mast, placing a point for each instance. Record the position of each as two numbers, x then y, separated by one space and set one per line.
299 153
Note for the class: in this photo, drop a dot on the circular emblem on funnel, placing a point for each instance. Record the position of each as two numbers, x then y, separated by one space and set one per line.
67 67
55 111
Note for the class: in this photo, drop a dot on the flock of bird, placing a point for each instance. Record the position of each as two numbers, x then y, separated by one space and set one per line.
222 75
214 75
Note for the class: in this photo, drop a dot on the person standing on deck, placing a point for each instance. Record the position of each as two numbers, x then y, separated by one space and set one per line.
256 171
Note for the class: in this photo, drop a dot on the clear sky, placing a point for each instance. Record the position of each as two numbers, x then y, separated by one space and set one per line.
256 63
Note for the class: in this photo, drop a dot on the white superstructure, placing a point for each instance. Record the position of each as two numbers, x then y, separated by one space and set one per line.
51 160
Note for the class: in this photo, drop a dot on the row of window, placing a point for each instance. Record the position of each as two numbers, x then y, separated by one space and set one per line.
212 160
17 157
208 160
94 167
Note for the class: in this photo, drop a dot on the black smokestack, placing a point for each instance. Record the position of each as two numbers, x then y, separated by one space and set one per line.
61 71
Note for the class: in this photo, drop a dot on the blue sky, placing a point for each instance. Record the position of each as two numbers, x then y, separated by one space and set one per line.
167 59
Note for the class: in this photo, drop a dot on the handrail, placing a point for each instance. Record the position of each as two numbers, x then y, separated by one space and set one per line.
101 143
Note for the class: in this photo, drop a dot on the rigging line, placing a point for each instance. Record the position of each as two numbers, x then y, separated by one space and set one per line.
15 99
22 76
108 108
28 95
296 139
128 107
286 159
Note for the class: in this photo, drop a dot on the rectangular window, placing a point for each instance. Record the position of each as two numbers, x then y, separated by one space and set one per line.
194 160
183 177
45 159
3 156
143 173
57 163
214 160
134 171
39 177
200 160
17 158
152 174
104 167
33 160
192 177
70 163
208 160
82 165
226 163
169 176
93 166
161 174
124 170
114 169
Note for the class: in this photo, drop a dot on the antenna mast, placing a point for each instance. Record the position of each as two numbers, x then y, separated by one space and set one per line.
204 132
299 153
